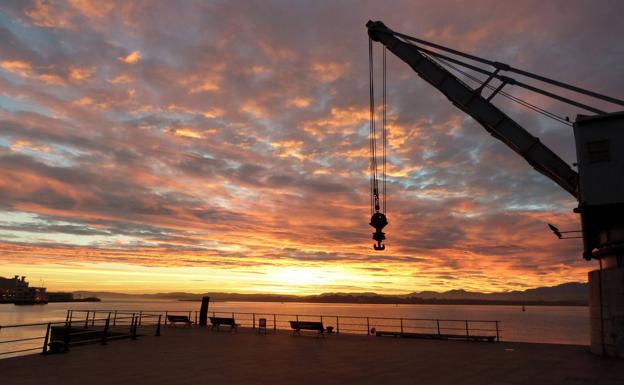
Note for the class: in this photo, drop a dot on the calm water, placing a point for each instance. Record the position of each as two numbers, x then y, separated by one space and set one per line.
546 324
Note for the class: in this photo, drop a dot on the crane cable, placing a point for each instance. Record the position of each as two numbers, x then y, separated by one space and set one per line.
378 217
518 100
374 193
384 130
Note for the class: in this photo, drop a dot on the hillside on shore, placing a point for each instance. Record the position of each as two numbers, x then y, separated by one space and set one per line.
572 293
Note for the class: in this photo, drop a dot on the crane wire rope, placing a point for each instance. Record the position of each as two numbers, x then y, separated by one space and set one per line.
378 209
384 129
506 67
378 198
372 131
516 99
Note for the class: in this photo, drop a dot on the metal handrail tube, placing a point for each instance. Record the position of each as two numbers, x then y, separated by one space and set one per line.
20 351
22 339
32 324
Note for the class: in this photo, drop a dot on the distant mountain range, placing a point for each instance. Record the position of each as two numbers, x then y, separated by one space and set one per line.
572 293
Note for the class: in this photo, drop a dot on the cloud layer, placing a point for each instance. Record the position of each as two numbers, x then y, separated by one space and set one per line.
232 137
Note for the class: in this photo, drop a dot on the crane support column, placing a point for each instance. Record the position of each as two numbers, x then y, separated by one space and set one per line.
606 308
599 140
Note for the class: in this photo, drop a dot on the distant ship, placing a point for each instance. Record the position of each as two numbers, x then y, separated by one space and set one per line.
17 291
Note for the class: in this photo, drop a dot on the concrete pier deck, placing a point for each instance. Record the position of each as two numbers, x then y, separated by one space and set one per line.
198 356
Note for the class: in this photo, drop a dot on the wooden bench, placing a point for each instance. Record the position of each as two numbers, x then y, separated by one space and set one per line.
217 321
174 319
297 326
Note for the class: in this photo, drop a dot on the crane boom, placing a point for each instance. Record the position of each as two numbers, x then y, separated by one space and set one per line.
469 100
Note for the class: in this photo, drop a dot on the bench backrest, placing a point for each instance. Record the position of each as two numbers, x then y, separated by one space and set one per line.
309 325
222 320
178 318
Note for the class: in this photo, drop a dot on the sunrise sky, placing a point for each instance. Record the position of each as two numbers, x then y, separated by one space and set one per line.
222 146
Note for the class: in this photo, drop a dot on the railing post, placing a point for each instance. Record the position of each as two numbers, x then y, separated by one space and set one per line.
321 319
87 320
274 322
297 317
105 332
133 328
401 325
337 325
67 337
67 316
166 314
438 324
253 322
497 335
93 320
115 318
467 333
158 326
44 350
195 317
367 326
140 317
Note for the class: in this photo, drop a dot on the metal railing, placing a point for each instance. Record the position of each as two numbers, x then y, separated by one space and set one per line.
80 327
101 326
365 325
352 324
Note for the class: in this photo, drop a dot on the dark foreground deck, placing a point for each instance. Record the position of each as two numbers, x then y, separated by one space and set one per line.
199 356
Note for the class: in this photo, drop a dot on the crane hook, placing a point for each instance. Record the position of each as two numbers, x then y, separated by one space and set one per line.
379 221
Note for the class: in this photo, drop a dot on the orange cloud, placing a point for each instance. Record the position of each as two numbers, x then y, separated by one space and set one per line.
80 74
132 58
300 102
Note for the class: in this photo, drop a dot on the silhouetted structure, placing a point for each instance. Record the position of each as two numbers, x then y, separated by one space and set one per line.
203 311
597 186
16 290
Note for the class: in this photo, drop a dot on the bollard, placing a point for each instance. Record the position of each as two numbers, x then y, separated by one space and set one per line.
203 312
